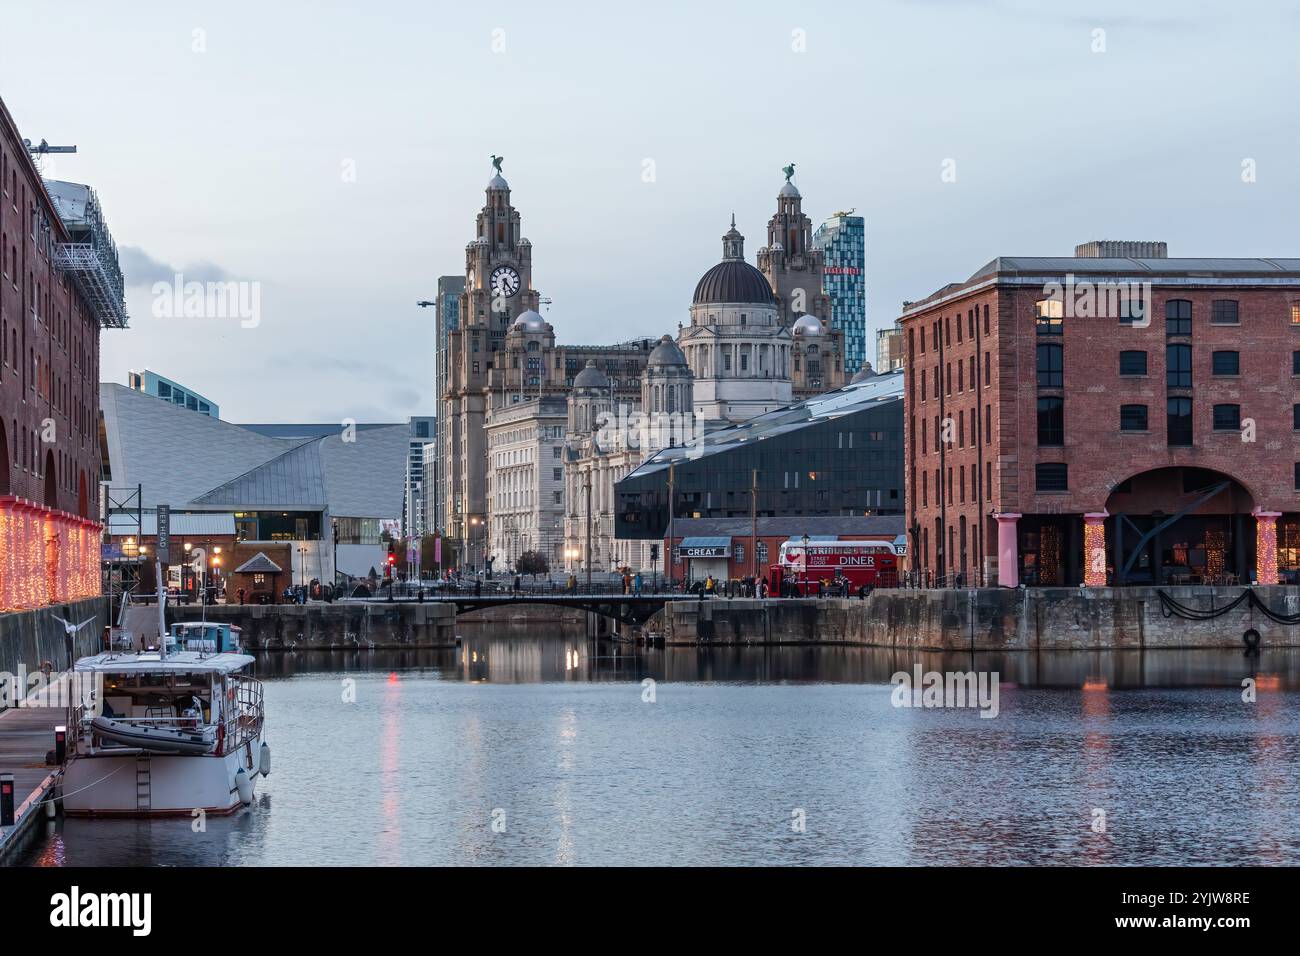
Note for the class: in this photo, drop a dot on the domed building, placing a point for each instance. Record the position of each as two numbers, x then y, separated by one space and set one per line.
736 347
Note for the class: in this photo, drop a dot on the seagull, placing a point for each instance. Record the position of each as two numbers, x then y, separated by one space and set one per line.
69 628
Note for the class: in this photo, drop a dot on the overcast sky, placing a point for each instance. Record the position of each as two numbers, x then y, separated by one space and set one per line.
225 153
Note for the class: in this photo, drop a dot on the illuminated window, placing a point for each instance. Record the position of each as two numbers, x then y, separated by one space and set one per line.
1048 314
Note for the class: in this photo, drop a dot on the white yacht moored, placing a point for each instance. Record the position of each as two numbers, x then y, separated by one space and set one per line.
166 730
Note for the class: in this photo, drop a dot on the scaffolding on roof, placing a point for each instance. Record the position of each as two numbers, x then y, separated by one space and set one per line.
91 258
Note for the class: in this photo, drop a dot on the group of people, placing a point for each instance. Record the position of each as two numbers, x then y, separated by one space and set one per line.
745 587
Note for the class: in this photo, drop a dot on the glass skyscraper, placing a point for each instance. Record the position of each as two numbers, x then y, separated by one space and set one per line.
842 239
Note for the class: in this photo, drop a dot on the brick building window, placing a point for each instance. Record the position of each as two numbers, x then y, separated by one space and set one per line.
1178 317
1132 308
1178 421
1050 359
987 378
1227 418
1051 422
1178 366
1295 363
1224 312
1051 476
1227 363
986 320
1134 362
1296 479
1047 316
1295 313
1295 417
1132 418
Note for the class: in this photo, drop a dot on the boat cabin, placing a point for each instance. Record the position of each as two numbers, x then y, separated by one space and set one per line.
183 691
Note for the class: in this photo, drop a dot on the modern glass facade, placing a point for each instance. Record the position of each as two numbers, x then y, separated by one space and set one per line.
842 239
840 453
151 383
447 318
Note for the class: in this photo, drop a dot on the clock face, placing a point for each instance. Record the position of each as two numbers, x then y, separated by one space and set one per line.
504 281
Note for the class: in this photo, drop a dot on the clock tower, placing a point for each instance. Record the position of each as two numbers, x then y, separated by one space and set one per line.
498 288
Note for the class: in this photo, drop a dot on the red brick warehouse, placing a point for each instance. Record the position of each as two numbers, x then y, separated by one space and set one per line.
59 283
1112 417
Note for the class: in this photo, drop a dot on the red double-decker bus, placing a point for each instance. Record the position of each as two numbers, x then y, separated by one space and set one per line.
827 565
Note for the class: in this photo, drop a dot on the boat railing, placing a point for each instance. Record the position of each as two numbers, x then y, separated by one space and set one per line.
244 714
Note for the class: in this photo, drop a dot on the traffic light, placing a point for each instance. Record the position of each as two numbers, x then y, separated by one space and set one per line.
654 552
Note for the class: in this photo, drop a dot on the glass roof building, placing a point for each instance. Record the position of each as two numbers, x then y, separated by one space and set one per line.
840 453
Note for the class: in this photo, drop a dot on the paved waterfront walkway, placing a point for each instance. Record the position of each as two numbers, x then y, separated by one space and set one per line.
26 735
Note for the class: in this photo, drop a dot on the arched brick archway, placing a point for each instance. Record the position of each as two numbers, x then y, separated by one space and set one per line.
51 481
1180 525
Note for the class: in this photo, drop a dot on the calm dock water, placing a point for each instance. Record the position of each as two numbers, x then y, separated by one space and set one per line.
523 747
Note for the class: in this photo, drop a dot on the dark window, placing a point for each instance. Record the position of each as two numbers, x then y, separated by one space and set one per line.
1224 312
1227 363
1051 477
1295 417
1049 366
1295 363
1178 421
1132 418
1296 480
1227 418
1133 363
1178 366
1178 317
1051 421
1132 307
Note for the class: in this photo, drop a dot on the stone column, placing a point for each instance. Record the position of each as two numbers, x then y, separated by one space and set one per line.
1094 548
1266 545
1008 550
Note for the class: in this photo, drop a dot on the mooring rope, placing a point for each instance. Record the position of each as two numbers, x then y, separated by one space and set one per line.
1171 608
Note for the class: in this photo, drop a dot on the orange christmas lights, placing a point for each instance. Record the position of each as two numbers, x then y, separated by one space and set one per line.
46 557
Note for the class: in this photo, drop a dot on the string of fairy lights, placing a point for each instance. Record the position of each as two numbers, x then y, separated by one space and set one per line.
46 557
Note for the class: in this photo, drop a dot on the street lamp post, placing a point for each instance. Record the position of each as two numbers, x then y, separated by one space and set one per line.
805 565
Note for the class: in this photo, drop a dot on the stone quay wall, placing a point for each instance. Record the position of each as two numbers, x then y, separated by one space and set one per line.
29 638
988 619
282 627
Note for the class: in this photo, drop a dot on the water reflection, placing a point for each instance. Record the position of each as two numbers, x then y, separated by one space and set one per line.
520 747
517 655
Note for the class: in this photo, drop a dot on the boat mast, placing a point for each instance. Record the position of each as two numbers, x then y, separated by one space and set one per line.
162 608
